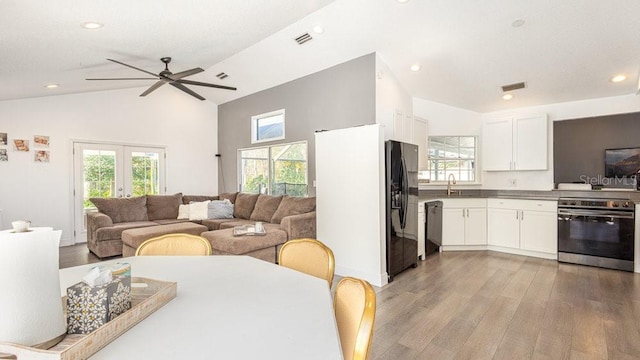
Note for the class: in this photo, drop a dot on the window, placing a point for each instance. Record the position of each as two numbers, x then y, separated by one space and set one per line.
267 127
277 170
452 155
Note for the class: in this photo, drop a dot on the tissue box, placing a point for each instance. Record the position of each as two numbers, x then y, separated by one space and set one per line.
91 307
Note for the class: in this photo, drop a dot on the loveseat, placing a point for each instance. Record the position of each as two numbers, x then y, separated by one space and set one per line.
295 216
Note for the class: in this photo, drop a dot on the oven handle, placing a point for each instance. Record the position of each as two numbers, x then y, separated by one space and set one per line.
598 213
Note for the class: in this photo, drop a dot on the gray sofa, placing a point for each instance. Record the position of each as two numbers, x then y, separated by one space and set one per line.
294 215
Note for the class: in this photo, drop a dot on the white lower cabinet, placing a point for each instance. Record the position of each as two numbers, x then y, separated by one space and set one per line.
421 230
464 222
530 225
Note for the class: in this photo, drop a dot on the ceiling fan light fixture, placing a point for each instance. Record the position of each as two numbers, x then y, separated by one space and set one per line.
92 25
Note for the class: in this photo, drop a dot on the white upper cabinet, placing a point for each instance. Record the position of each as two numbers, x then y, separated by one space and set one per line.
515 143
420 135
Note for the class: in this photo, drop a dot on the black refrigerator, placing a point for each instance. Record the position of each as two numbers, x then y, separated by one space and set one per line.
401 187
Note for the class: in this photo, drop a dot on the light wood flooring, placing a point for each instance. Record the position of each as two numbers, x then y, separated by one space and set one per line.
488 305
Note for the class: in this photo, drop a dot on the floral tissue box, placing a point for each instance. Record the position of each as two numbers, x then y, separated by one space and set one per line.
88 307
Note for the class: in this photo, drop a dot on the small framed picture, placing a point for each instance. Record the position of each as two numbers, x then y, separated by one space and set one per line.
41 156
40 141
3 139
3 155
20 145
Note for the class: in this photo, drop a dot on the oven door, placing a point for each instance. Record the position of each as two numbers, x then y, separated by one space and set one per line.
597 233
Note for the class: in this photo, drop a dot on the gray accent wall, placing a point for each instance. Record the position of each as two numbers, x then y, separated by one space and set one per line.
579 144
338 97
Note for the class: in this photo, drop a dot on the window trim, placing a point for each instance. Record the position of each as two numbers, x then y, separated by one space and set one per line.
269 159
476 170
254 126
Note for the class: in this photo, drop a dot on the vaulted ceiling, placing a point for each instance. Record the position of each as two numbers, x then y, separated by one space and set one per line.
563 50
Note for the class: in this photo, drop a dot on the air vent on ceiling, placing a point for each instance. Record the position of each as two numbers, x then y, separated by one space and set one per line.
222 76
512 87
303 38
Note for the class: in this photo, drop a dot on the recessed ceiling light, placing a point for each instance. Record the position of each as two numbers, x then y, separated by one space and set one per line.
92 25
318 29
402 1
507 97
415 67
618 78
51 86
517 23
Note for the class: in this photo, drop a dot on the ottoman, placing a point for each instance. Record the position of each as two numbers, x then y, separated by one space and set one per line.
132 238
263 247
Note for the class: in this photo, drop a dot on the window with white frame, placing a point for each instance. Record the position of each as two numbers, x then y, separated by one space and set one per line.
267 127
277 169
452 155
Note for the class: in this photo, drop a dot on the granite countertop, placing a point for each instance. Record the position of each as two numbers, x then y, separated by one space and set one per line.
425 195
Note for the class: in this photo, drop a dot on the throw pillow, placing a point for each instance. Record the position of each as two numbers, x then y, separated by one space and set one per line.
199 210
265 207
183 212
123 209
292 205
160 207
229 196
220 209
244 204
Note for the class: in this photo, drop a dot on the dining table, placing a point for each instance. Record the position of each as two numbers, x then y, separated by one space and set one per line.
227 307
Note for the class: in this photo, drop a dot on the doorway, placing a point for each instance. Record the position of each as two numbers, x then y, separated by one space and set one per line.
113 170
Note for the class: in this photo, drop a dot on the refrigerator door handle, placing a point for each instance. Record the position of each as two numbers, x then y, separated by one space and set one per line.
404 194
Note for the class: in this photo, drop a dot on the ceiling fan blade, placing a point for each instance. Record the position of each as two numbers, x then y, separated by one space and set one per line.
187 90
185 73
133 67
153 87
124 79
190 82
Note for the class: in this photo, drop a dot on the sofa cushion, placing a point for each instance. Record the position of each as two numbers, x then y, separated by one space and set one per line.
220 209
243 207
188 199
265 207
163 206
115 232
229 196
293 205
199 210
123 209
214 224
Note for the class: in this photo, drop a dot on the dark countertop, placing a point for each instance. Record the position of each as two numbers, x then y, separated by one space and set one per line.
425 195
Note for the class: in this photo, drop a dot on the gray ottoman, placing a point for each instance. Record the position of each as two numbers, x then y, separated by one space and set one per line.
263 247
132 238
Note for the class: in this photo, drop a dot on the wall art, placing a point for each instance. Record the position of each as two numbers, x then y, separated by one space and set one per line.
21 145
3 155
40 141
3 139
41 156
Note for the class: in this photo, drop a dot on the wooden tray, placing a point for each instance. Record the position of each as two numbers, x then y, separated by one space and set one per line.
144 301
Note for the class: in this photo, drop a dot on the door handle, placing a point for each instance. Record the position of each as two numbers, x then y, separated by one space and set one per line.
128 195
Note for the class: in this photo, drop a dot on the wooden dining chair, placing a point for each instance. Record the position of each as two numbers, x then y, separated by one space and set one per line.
355 308
309 256
175 244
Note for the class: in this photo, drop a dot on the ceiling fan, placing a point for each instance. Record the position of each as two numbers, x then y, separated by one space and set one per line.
167 77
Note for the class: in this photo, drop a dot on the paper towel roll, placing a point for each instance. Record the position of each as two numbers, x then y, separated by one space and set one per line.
30 304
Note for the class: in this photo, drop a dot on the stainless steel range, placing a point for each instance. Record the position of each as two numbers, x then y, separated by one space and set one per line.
597 232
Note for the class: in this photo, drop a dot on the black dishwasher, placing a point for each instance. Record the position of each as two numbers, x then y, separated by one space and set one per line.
433 226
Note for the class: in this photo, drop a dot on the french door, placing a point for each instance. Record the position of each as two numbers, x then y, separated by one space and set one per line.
111 170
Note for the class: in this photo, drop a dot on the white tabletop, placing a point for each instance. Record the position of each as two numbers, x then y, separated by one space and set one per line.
228 307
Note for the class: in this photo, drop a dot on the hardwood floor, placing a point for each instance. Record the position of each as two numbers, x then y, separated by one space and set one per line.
489 305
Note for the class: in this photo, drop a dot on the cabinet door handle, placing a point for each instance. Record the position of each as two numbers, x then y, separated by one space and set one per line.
517 216
462 212
467 212
521 214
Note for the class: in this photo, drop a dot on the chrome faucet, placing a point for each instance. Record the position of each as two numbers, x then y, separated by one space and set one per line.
449 191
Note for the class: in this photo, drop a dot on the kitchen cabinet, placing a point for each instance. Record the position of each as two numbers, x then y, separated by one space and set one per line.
523 224
515 143
421 230
420 135
464 222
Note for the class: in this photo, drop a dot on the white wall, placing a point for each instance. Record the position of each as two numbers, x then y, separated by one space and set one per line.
390 95
42 192
447 120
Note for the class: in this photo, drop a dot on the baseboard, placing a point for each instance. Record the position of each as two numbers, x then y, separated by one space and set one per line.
379 280
66 242
500 249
